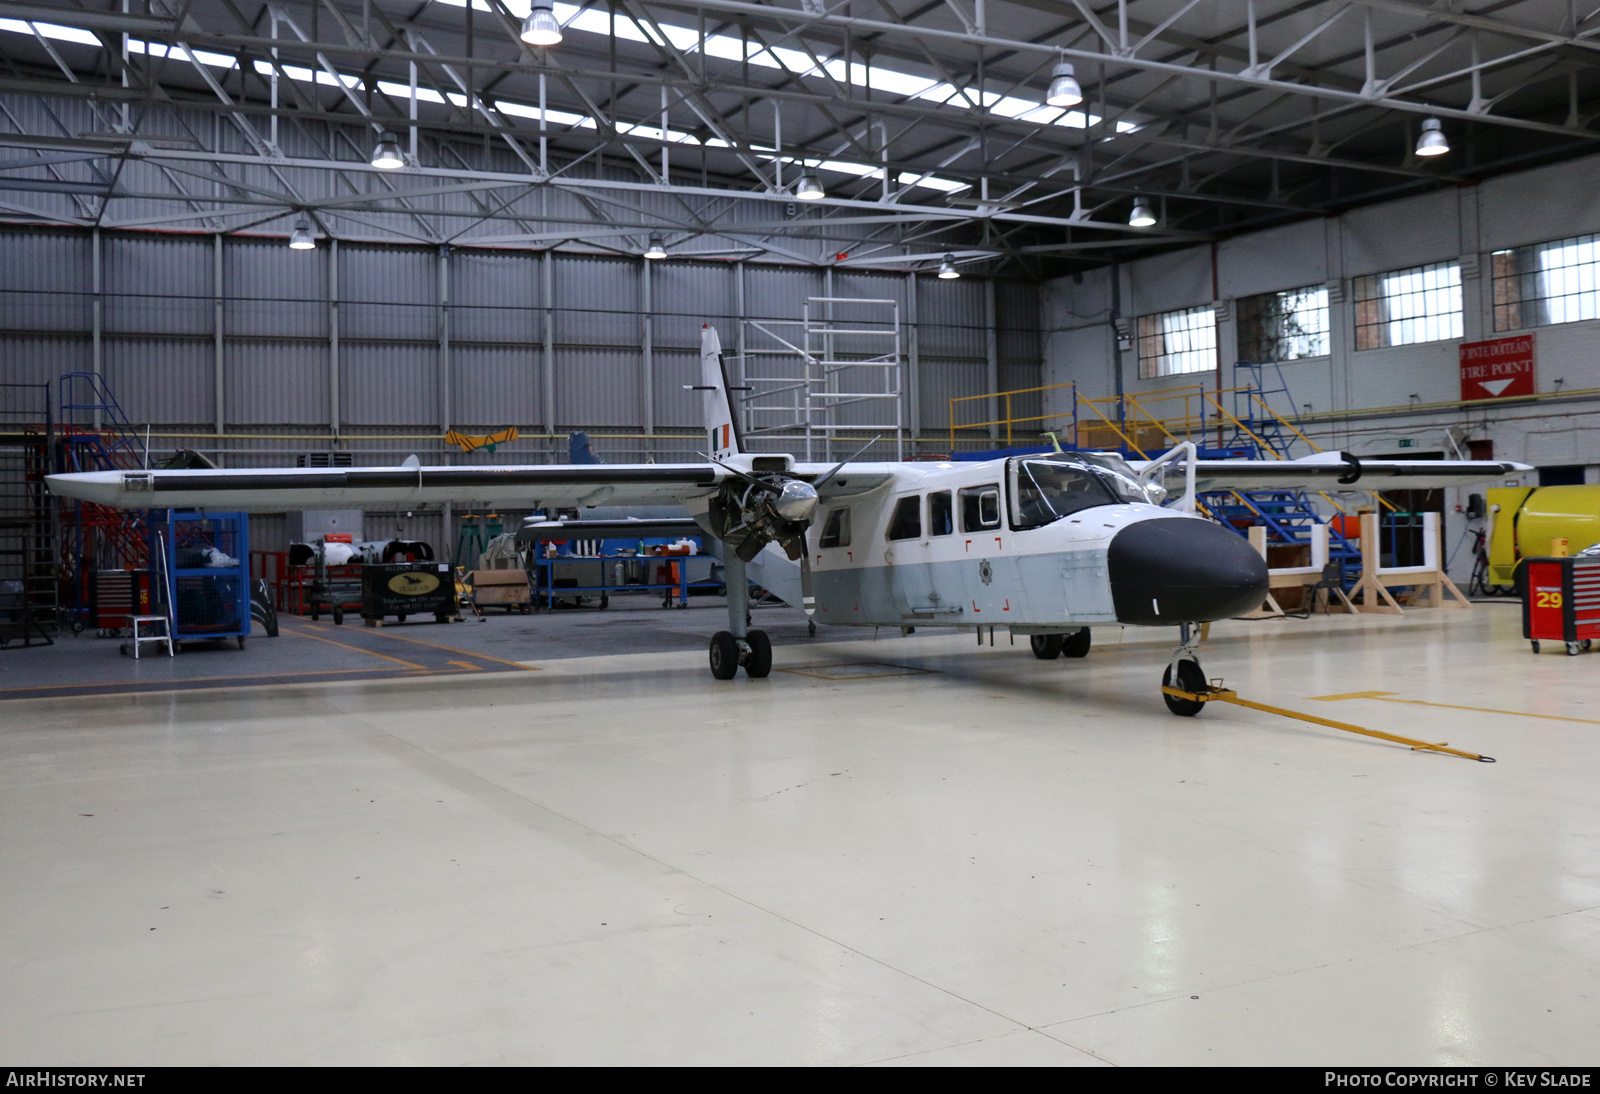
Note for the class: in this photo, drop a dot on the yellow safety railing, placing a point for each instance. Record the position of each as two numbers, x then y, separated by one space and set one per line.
1134 421
1010 420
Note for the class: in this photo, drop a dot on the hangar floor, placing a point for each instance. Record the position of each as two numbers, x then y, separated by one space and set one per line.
909 851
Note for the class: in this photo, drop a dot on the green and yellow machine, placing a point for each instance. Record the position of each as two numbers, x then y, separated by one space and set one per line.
1525 519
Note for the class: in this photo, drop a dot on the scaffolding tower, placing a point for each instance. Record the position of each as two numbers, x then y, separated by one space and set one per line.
839 369
95 435
28 556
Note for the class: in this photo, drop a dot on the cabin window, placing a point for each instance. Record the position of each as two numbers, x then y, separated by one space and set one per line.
941 514
980 508
836 532
907 520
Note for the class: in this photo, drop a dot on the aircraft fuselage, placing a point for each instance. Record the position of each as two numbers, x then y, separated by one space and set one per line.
948 544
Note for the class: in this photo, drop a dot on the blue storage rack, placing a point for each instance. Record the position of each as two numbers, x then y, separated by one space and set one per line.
206 600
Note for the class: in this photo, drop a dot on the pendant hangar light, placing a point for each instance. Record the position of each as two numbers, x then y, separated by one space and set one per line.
1431 141
1142 216
541 28
387 154
947 268
1064 89
655 250
301 238
809 188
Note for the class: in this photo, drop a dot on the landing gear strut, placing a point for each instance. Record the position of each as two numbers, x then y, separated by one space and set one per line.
739 645
1184 672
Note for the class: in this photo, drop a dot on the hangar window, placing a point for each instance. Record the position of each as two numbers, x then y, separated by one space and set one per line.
1547 283
941 514
907 520
1284 326
1176 342
980 508
836 533
1403 307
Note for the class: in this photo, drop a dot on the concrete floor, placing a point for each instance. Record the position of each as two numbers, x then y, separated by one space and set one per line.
909 851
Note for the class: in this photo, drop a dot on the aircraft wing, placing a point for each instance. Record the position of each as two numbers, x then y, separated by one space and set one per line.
545 531
269 490
851 479
1342 471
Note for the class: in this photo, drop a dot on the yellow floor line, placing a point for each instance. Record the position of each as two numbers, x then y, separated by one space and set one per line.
385 633
358 649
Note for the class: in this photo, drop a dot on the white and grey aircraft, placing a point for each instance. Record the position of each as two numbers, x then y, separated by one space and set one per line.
1048 546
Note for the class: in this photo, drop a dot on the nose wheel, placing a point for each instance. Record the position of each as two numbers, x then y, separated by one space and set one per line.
1185 674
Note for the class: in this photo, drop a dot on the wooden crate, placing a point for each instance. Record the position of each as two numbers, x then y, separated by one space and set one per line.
506 587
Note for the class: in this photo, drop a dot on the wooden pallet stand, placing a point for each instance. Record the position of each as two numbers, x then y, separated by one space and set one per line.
1433 587
1294 577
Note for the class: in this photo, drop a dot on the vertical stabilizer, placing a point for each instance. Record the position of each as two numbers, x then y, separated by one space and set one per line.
722 422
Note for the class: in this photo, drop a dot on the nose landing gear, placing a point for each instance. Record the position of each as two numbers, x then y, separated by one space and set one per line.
1184 674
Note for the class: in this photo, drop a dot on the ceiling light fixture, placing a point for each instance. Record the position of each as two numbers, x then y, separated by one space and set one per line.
541 28
947 268
1064 89
1431 141
1142 216
387 153
809 188
301 238
655 250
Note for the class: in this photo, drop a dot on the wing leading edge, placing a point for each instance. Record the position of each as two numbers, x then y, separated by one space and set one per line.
271 490
1343 471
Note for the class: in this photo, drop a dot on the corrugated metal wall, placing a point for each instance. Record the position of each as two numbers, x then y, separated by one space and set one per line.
405 340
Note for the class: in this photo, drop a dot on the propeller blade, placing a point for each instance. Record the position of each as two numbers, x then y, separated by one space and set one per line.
746 476
849 459
808 602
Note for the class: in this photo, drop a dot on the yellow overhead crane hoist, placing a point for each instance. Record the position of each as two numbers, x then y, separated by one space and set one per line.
1523 520
470 444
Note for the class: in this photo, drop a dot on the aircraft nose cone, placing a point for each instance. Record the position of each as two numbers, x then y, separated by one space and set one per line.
1180 570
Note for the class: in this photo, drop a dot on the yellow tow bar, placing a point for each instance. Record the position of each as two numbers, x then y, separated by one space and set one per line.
1214 694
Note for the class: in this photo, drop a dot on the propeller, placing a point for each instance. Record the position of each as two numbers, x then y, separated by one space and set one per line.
771 506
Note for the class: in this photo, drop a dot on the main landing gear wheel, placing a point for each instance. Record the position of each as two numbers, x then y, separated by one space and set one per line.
1076 645
724 655
1046 647
758 662
1190 677
727 655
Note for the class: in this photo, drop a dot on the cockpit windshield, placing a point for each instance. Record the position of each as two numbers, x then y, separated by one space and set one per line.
1046 488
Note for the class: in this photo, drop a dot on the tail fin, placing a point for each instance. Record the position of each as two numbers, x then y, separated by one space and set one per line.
722 421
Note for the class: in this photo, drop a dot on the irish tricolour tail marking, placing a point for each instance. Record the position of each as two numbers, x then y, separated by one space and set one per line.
722 424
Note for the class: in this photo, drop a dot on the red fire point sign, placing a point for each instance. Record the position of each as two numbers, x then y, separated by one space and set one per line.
1501 368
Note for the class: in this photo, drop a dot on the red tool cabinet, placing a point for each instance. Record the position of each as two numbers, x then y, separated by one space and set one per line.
1561 601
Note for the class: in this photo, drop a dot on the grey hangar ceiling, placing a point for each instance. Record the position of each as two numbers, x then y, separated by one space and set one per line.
923 120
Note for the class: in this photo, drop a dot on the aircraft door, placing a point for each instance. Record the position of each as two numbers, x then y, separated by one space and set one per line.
906 556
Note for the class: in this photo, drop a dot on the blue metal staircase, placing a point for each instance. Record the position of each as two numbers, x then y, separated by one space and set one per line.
1288 515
